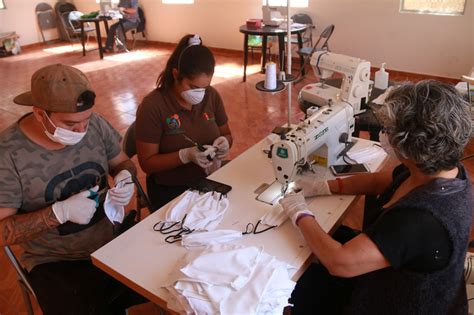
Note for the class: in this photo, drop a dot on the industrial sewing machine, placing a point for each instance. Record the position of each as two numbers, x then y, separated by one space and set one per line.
325 135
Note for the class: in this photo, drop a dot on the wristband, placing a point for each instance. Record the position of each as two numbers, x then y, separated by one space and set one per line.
339 185
301 216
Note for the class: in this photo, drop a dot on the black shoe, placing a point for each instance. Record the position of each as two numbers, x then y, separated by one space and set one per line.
108 50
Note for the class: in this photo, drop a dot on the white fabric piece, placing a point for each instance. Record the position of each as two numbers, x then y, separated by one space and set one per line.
198 239
274 217
367 154
203 212
266 291
246 300
214 268
178 208
207 212
115 213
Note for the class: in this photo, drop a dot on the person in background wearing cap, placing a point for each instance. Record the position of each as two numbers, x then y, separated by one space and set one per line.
54 162
183 108
130 20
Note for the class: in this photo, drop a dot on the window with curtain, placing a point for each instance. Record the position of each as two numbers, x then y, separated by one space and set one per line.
177 1
2 4
438 7
293 3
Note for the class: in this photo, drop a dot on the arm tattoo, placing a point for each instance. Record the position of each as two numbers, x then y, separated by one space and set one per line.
23 227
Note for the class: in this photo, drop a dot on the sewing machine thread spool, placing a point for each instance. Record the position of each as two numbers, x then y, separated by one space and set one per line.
270 76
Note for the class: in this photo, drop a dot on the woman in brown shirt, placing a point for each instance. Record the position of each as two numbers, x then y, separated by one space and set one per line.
183 105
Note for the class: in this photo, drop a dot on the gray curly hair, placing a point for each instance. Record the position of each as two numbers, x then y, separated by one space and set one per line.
427 122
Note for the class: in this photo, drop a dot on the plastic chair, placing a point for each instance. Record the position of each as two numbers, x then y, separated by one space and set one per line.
22 274
45 17
130 149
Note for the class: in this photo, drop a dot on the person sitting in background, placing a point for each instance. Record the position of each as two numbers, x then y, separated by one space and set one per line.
130 20
183 106
53 172
409 258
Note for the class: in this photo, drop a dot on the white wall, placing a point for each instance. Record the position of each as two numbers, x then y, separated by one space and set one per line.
20 17
370 29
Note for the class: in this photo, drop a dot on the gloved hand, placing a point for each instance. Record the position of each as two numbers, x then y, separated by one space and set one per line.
311 187
294 205
124 188
77 208
222 145
192 154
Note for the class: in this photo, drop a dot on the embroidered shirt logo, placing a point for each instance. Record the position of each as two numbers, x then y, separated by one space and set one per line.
206 117
173 121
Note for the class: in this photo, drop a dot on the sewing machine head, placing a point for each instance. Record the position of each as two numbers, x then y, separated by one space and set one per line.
322 138
355 85
273 15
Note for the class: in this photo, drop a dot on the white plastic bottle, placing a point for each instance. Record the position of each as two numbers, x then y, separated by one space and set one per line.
381 78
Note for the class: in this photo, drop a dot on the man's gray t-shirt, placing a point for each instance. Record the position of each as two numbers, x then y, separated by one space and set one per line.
33 177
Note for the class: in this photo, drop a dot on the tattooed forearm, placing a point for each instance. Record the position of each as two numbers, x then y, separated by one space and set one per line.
20 228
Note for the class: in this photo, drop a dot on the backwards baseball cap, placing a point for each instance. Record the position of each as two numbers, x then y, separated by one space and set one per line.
58 88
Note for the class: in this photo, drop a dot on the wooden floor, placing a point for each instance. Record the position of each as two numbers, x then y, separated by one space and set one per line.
121 81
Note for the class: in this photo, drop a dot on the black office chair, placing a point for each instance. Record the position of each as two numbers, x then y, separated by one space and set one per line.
22 274
130 149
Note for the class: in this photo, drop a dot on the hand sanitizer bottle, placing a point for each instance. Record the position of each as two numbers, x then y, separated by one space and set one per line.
381 78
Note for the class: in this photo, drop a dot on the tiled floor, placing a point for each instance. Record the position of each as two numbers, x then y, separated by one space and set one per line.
121 81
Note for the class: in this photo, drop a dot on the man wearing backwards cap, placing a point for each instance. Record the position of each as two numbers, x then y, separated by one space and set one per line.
53 162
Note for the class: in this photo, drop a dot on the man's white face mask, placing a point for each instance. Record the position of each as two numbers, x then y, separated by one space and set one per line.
193 96
63 136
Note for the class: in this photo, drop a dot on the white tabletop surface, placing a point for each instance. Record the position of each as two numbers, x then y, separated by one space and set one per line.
141 258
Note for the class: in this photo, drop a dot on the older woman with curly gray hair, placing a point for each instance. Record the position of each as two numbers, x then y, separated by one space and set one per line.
409 258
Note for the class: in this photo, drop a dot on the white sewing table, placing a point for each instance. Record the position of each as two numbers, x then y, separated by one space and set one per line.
142 260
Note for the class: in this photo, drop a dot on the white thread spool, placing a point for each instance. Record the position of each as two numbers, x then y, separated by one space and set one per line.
270 76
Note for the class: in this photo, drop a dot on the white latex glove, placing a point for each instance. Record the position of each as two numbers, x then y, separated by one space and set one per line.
222 145
78 208
124 188
310 187
294 205
192 154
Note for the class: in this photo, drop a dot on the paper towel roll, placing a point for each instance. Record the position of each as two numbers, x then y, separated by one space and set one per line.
270 76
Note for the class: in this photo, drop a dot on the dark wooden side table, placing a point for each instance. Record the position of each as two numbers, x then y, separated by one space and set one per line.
96 22
266 31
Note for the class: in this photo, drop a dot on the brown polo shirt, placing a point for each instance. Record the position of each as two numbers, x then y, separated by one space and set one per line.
161 119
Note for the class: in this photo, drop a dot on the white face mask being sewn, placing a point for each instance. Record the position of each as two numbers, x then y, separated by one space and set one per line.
63 136
193 96
275 217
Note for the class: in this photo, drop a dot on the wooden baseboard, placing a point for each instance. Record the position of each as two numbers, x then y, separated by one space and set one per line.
239 53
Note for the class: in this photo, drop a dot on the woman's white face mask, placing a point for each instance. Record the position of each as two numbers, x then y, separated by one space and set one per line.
385 144
193 96
63 136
